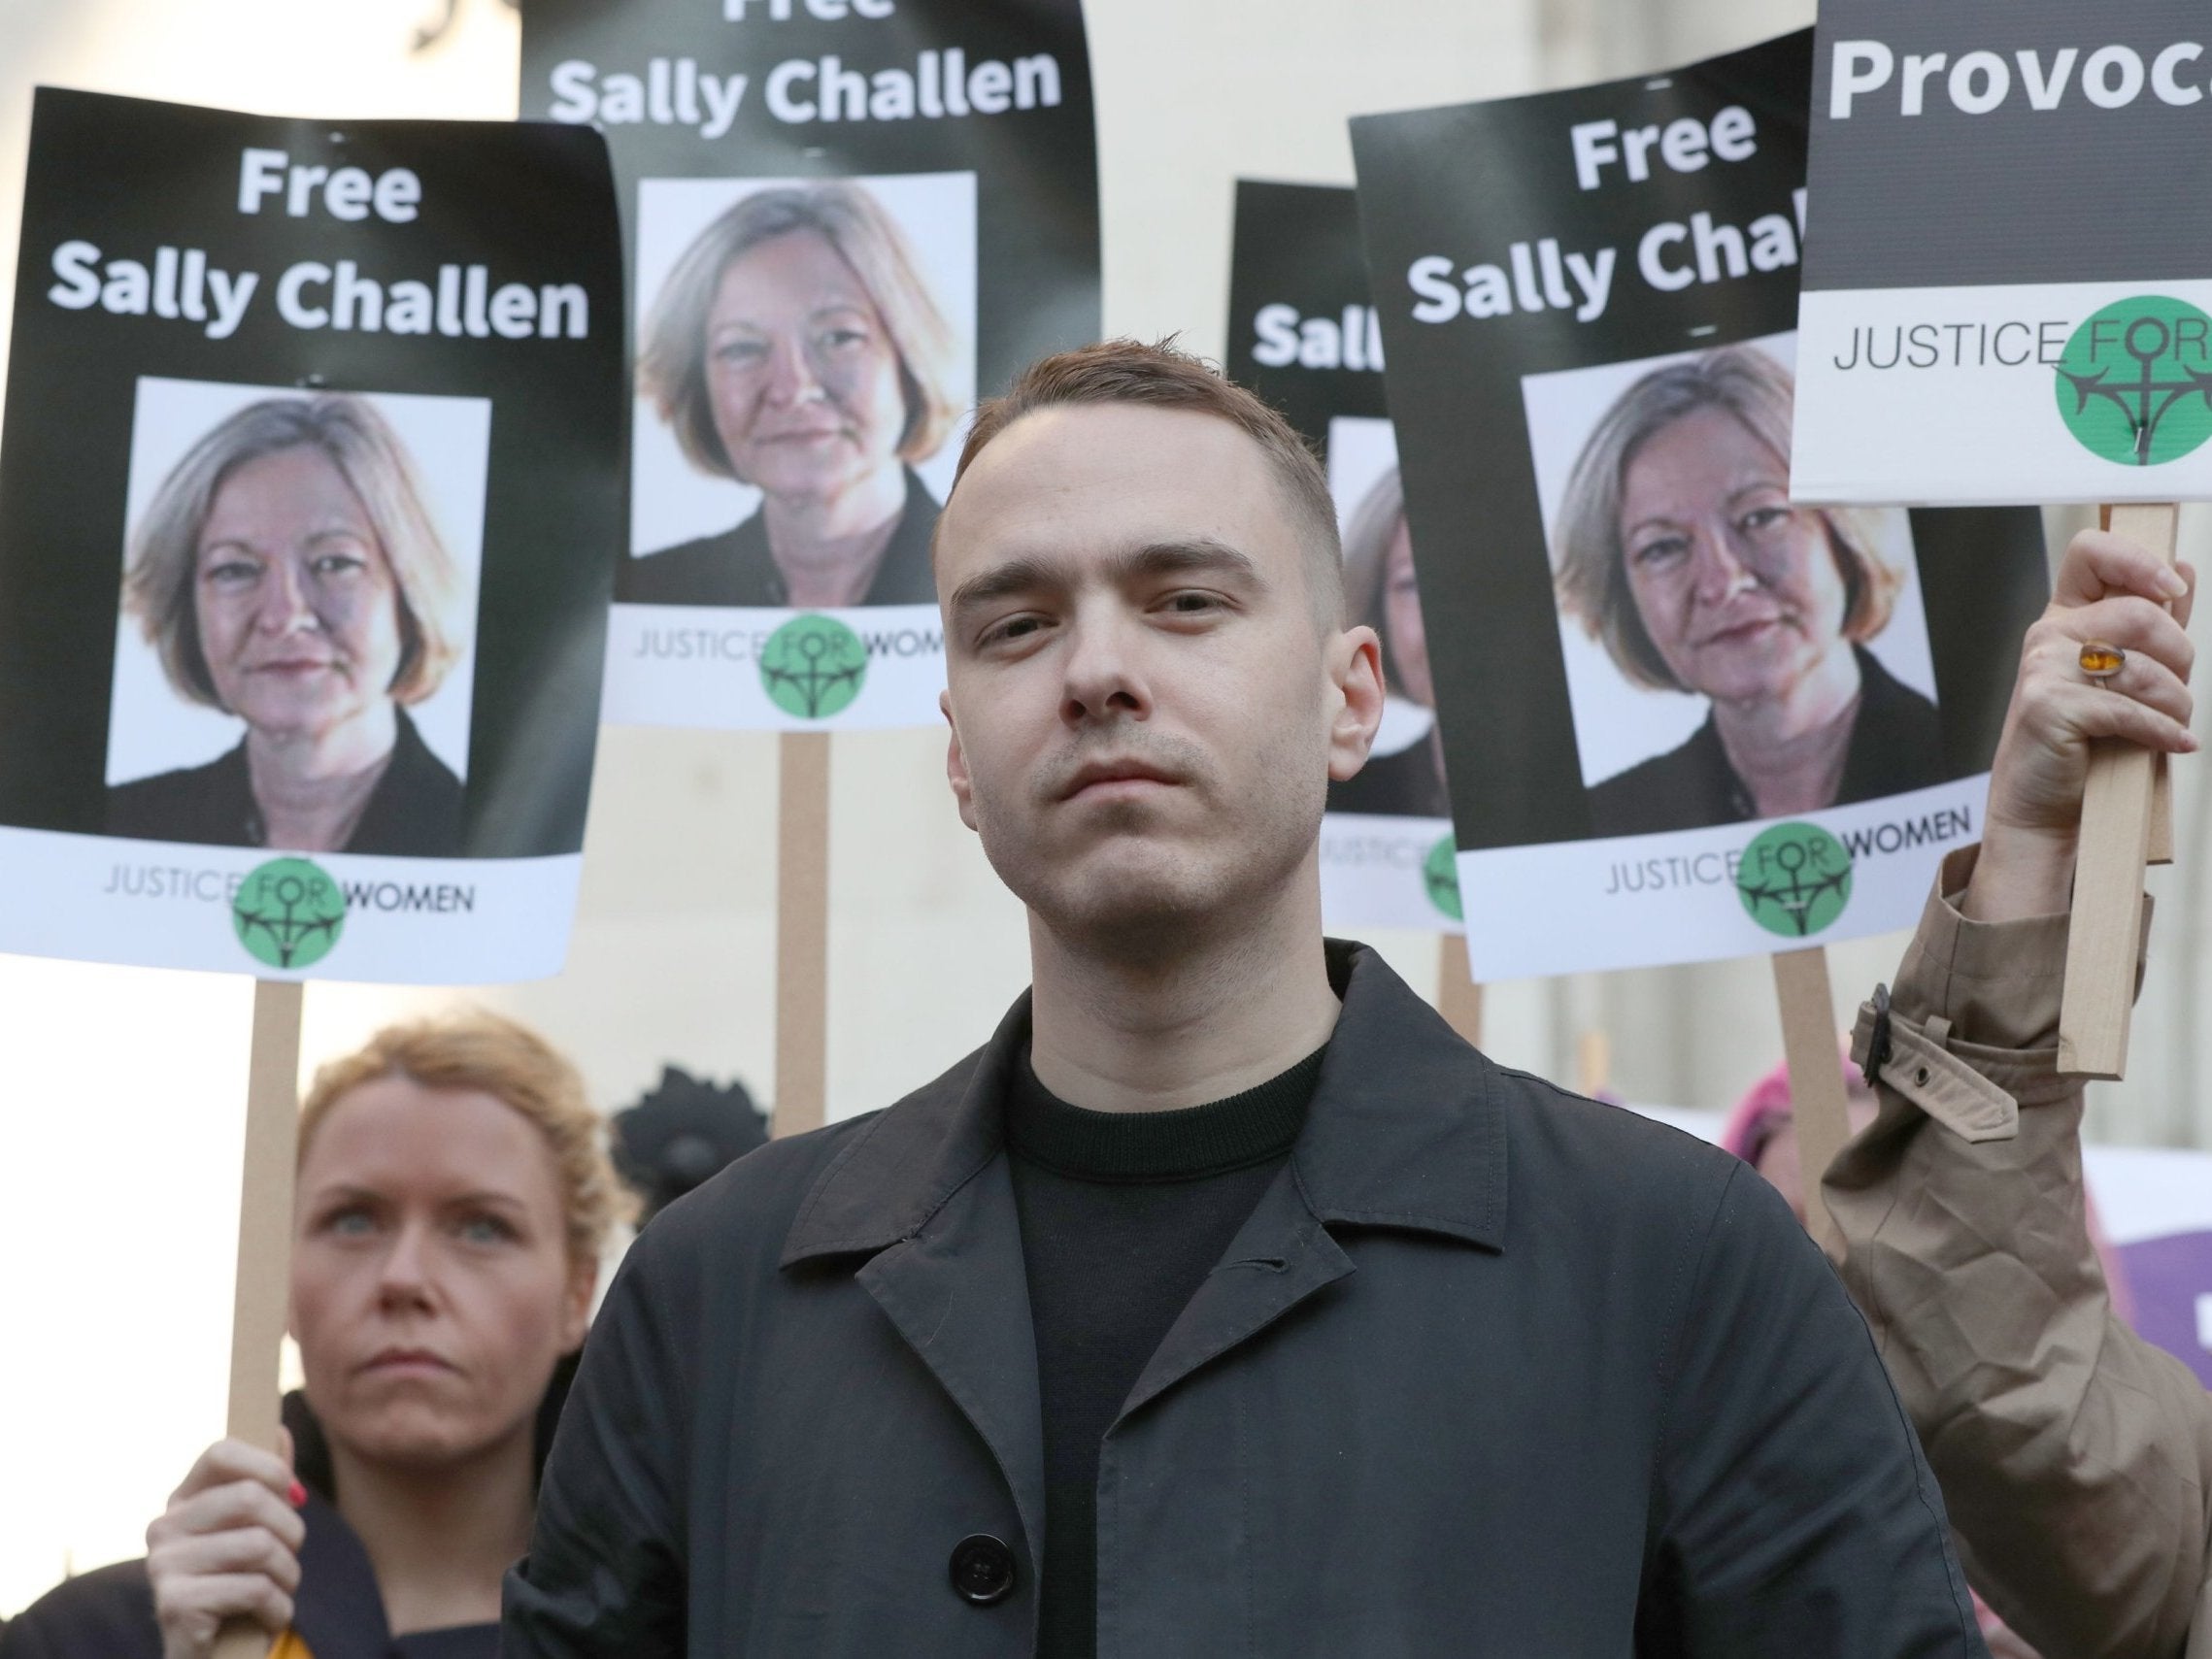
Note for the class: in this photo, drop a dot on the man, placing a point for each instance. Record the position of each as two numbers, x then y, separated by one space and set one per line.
2077 1457
1226 1302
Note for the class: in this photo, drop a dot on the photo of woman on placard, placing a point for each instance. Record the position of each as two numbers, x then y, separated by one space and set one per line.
1677 550
288 572
1404 774
795 348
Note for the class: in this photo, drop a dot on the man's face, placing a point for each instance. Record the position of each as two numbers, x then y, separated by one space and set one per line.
1145 711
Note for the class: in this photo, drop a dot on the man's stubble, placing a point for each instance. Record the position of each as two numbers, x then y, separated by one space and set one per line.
1143 882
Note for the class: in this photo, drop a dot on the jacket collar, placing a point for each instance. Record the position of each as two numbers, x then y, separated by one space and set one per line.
1405 1131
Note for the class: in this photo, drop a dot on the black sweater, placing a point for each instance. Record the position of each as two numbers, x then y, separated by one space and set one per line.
1122 1215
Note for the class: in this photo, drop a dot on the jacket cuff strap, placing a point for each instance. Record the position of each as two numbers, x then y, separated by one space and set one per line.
1917 1063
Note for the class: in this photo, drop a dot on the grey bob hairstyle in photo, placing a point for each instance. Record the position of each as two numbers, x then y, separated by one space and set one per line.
158 582
1588 557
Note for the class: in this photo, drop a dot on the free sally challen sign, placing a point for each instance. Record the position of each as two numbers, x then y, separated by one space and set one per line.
309 514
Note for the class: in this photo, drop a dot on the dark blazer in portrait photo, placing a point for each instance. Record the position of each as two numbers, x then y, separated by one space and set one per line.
797 350
413 811
1897 746
736 567
1679 551
289 573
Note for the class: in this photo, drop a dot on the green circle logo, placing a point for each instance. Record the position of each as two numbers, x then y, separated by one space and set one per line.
812 667
2136 383
1440 873
1795 879
289 913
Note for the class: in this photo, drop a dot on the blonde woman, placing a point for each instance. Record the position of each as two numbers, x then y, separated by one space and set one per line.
795 348
1679 551
454 1200
289 573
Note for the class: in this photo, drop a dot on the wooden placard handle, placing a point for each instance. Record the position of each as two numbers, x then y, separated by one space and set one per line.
260 1302
1818 1100
802 933
1458 999
2127 819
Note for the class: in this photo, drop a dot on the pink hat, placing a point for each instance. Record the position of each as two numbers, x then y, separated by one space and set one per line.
1766 1107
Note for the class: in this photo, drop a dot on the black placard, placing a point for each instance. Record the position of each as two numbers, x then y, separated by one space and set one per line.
313 489
2008 283
1538 262
1029 138
1489 185
1304 335
115 182
967 222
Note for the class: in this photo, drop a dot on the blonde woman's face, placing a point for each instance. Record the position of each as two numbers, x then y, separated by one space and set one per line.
297 610
1401 612
801 371
432 1289
1739 591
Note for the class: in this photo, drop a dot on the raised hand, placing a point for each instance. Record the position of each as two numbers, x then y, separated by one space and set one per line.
2109 590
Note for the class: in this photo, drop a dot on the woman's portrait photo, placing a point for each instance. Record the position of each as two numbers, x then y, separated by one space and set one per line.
297 617
1404 774
1729 656
805 357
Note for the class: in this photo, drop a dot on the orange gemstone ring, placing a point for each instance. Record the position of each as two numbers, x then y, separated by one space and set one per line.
2101 660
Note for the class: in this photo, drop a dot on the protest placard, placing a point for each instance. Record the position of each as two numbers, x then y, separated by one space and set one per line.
1304 336
845 220
1962 343
1682 718
309 512
308 515
2008 279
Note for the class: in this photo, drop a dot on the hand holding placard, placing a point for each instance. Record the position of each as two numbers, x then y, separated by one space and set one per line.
425 476
2073 799
2112 589
1959 351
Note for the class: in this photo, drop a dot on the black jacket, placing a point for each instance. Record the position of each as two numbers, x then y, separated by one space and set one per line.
1489 1371
736 568
338 1613
1897 746
415 813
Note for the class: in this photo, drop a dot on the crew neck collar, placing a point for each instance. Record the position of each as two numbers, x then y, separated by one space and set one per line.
1190 1144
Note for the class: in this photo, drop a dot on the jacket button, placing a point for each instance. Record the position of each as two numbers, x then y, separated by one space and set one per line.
982 1569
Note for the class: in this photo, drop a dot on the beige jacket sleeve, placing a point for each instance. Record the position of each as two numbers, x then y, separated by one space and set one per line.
2075 1458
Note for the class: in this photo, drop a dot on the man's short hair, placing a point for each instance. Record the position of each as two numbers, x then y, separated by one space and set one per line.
1165 377
159 581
